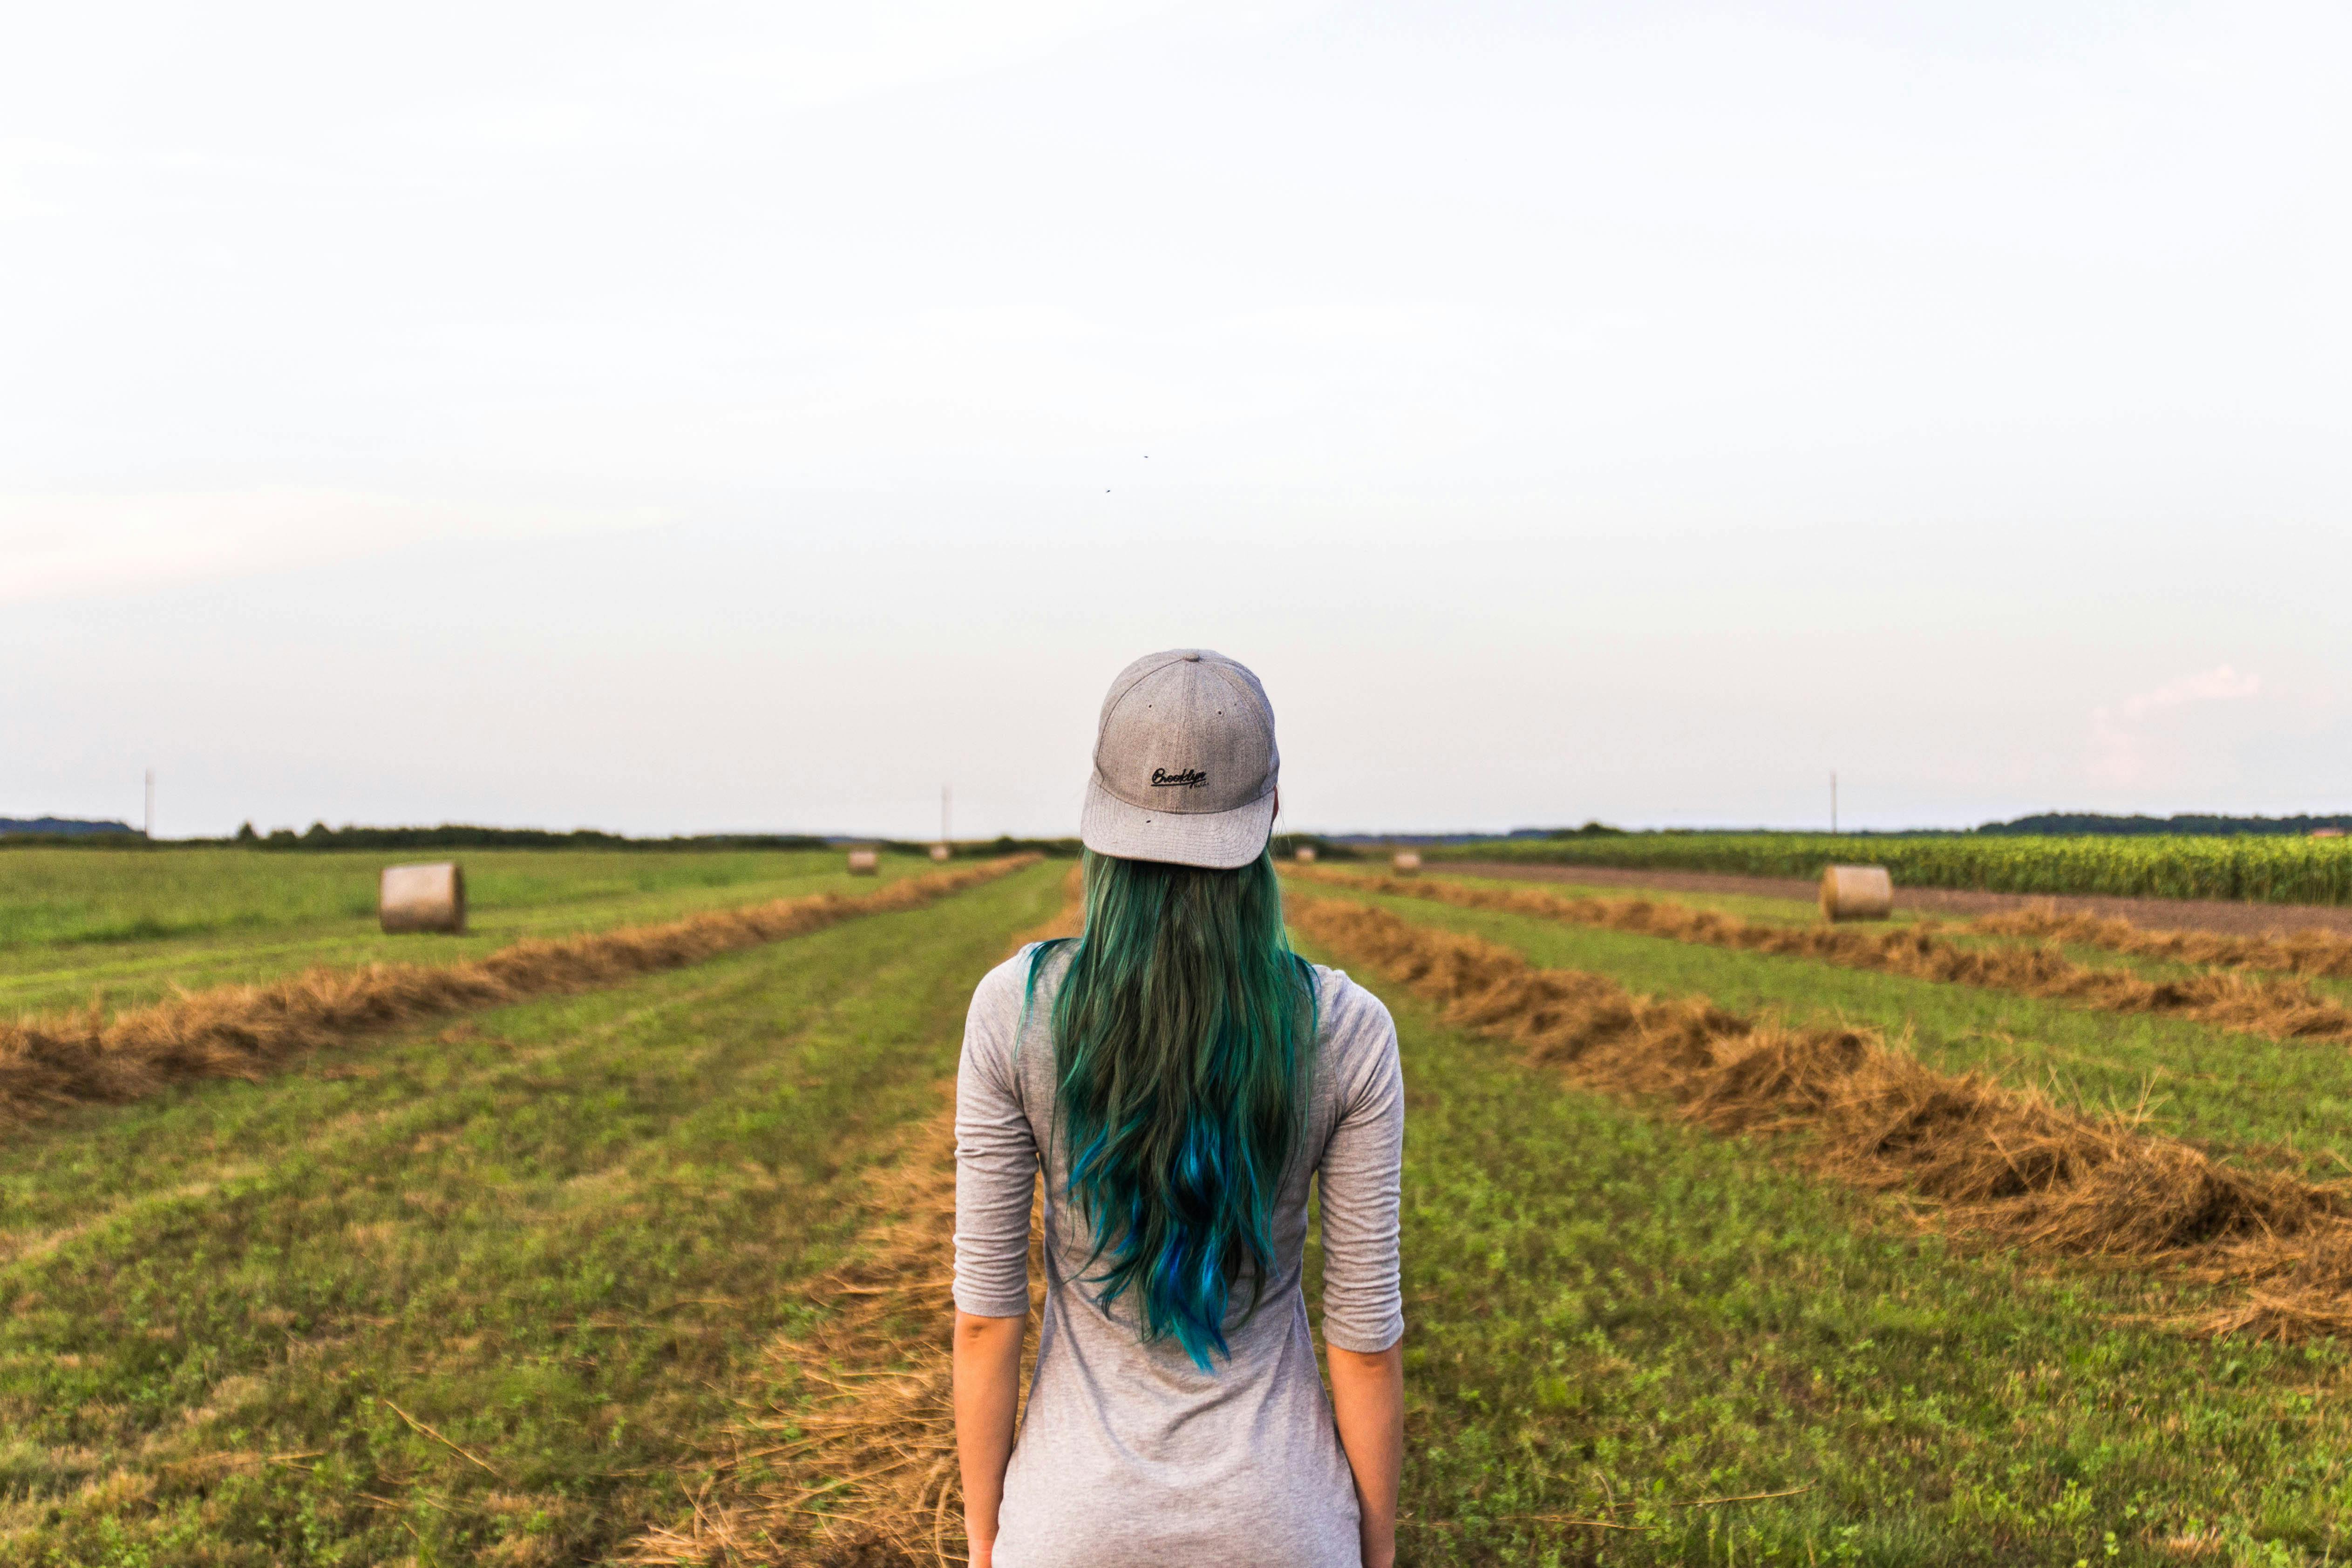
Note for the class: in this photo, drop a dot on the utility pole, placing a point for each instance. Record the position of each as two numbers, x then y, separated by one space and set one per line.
945 837
1832 799
150 803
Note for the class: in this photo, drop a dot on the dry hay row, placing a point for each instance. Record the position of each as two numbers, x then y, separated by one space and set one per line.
846 1455
241 1031
2283 1009
2320 953
2006 1164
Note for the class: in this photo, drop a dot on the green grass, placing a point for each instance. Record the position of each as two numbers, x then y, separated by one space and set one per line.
1606 1307
2262 868
2231 1092
552 1232
129 927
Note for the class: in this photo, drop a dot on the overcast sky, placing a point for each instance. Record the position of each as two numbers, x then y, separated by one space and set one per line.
718 416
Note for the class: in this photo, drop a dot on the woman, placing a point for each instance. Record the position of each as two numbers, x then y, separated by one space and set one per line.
1180 1077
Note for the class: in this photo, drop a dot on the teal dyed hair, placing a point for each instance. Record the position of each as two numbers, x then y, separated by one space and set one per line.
1183 1039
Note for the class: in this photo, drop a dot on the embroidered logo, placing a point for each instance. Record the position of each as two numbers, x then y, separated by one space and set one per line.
1186 778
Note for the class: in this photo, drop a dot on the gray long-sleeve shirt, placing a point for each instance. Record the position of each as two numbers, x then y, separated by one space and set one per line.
1129 1454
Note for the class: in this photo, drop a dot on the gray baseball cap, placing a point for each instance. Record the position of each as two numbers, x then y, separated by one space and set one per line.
1186 764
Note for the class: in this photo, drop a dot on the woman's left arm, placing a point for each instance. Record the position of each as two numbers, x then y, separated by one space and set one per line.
1361 1179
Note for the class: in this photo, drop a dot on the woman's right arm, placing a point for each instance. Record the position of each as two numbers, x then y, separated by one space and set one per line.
1368 1402
996 1170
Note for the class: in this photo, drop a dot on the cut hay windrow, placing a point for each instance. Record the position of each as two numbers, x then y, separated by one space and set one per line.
2324 954
853 1434
2280 1009
243 1031
2001 1162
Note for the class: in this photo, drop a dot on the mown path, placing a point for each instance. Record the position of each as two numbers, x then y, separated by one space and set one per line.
468 1294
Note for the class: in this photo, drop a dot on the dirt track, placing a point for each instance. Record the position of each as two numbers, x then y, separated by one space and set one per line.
2157 914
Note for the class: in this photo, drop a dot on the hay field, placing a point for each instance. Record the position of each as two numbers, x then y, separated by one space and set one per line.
472 1290
583 1277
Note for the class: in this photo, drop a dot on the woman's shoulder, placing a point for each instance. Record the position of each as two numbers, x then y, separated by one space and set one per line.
1355 1044
993 1028
1005 990
1007 985
1349 1019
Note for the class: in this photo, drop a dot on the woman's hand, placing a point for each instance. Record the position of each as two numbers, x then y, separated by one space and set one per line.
1368 1400
987 1397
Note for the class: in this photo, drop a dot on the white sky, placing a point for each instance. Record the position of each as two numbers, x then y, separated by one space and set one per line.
710 416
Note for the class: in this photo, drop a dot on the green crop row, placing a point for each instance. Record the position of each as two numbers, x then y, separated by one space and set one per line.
2259 869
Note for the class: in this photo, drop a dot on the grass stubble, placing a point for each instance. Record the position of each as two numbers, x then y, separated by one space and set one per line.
2278 1008
49 1064
2001 1164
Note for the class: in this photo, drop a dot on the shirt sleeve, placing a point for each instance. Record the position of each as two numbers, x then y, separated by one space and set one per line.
996 1156
1362 1181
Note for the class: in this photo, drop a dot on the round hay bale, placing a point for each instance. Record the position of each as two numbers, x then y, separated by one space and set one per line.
939 851
1304 854
1406 862
1856 892
864 862
422 897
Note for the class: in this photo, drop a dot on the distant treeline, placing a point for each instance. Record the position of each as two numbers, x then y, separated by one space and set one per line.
1286 845
462 836
64 828
468 836
1052 849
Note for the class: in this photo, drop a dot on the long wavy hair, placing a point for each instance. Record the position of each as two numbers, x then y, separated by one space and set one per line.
1183 1042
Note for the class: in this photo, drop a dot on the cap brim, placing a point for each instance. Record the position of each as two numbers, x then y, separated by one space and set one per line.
1219 841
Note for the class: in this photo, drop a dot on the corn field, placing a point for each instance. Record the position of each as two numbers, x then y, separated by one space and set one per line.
2255 868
